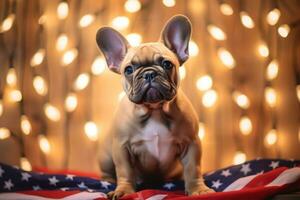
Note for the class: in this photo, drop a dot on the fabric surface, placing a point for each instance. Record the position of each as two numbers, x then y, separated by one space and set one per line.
255 179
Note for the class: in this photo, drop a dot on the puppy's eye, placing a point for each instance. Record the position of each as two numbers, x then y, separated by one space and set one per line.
128 70
167 64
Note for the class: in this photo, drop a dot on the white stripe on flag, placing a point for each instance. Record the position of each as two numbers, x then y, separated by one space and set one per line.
19 196
157 197
287 176
86 196
80 195
240 183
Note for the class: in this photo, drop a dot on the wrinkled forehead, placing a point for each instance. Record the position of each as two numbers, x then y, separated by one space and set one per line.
149 53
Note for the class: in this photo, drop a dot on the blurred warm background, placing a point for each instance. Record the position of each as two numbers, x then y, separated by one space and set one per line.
57 96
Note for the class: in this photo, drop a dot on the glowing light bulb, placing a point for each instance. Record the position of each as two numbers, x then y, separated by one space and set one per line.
120 22
71 102
169 3
216 32
82 81
25 164
273 16
263 50
182 72
38 58
272 70
11 77
246 20
7 23
42 19
15 95
226 58
121 95
245 125
270 96
271 137
204 83
52 112
239 158
241 99
44 144
134 39
25 125
193 48
284 30
86 20
209 98
132 6
62 10
4 133
201 132
226 9
69 56
40 85
91 130
1 107
297 92
62 42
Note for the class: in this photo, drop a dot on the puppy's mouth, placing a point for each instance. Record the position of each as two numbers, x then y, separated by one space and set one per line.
152 95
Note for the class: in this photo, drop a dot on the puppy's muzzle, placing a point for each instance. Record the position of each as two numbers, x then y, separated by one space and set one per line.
151 84
152 92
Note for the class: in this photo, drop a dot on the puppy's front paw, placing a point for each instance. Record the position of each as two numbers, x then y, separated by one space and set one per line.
201 190
119 192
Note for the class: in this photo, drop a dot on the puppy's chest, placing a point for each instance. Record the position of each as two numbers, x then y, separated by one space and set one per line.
156 139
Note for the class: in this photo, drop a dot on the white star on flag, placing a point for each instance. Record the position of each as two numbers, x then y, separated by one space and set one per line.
82 185
169 185
216 184
226 173
36 187
1 171
70 177
53 180
25 176
246 168
8 184
274 164
105 184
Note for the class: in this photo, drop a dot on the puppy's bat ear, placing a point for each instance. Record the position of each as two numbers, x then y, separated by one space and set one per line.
113 46
176 36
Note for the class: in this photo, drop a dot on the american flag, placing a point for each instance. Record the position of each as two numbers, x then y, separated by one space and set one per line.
255 179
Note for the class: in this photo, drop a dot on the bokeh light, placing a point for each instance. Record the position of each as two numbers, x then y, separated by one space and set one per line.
204 83
91 130
44 144
271 138
239 158
25 125
209 98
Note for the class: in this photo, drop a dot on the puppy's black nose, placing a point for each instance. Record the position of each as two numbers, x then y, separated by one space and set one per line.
149 75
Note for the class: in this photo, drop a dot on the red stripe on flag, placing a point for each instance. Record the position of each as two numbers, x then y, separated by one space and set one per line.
65 172
50 193
265 178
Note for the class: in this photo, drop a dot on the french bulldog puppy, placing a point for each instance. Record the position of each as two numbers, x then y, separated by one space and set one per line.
154 133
